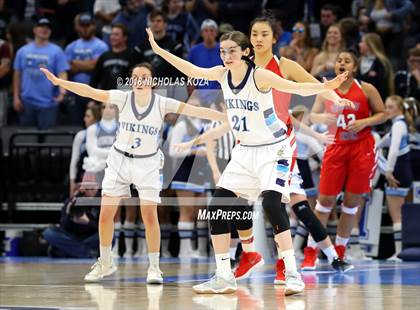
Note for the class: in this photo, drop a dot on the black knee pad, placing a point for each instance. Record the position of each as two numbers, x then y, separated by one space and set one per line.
218 209
307 217
242 219
275 211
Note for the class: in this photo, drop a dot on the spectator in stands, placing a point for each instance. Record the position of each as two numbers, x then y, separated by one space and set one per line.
283 37
389 17
399 173
77 235
105 11
324 62
180 25
34 97
350 31
78 151
407 82
115 63
327 19
375 68
99 139
206 55
5 81
239 13
202 9
134 17
82 56
144 53
302 46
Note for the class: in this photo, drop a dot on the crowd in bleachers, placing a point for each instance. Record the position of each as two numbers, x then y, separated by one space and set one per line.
97 42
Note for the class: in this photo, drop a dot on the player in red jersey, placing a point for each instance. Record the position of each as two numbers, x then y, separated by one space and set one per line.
349 163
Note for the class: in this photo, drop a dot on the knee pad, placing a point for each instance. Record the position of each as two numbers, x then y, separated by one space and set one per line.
218 209
348 210
275 211
307 217
242 220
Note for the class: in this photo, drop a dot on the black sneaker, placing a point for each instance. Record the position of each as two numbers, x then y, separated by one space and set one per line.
340 265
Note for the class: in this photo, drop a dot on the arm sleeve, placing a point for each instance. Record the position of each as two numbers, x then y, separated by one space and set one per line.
178 133
169 105
118 97
92 144
384 142
398 130
404 8
75 154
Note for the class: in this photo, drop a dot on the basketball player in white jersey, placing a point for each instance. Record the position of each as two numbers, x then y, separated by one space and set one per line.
134 159
261 162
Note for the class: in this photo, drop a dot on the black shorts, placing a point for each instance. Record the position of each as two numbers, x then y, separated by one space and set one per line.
404 174
190 174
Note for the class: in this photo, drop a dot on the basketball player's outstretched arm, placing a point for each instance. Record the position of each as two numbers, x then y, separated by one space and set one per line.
80 89
200 112
305 129
266 79
211 74
209 135
317 115
296 72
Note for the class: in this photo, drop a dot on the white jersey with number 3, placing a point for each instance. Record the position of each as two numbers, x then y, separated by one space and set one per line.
140 127
251 112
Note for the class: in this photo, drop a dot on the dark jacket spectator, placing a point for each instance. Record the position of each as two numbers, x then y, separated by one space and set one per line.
407 82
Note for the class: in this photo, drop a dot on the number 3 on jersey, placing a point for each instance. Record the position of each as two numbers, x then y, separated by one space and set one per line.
239 124
136 144
344 120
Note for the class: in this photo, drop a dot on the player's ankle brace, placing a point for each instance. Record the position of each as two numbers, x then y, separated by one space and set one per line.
276 211
314 226
218 208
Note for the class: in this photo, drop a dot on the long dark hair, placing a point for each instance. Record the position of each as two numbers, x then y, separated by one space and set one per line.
242 40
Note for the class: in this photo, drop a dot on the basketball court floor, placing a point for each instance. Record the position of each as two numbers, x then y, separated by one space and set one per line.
43 283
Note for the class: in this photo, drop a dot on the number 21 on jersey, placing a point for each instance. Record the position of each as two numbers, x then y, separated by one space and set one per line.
239 124
344 120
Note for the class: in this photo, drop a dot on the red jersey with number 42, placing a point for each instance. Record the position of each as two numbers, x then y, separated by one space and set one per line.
345 115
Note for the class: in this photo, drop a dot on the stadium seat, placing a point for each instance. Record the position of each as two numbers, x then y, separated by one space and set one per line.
410 232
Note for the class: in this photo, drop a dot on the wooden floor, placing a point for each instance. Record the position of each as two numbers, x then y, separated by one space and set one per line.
50 284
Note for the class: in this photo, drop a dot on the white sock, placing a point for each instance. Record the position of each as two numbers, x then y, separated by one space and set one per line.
289 261
330 253
341 241
223 268
185 230
154 259
248 243
233 246
129 236
105 254
311 243
397 237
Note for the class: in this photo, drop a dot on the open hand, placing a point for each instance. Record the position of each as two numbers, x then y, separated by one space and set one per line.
152 41
326 138
337 81
55 80
392 181
183 147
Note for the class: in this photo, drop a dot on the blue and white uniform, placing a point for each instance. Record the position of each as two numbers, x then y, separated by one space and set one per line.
261 160
414 139
399 162
135 157
302 181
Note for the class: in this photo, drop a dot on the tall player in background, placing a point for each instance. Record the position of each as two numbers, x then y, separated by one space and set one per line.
135 158
261 162
349 163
